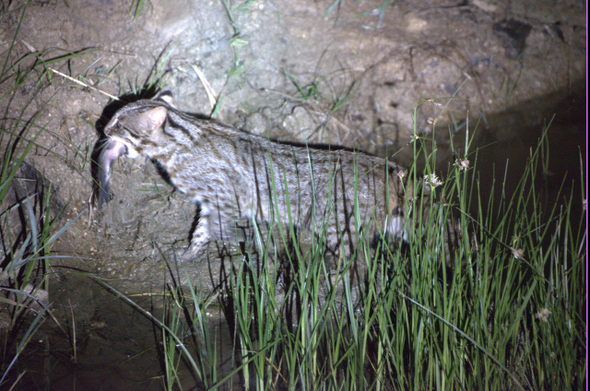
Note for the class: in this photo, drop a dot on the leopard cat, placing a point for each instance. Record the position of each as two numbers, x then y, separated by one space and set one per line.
234 175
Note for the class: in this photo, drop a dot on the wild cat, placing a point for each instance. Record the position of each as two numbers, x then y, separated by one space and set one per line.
233 175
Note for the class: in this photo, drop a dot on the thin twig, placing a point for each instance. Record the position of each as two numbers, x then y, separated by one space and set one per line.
83 84
208 89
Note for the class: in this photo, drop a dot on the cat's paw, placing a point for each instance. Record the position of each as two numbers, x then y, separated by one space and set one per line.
187 254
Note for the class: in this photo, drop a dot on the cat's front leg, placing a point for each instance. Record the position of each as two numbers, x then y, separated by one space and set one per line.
201 235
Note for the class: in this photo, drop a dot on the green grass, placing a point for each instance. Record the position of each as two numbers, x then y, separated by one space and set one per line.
136 7
380 11
29 226
499 306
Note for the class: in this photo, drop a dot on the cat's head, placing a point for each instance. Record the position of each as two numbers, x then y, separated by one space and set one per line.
139 125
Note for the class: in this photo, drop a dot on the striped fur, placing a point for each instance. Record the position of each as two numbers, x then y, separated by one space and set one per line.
234 175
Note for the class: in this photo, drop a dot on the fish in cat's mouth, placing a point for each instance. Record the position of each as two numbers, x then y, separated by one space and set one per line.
111 150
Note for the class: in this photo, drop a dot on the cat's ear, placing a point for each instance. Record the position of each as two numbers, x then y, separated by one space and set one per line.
153 119
166 97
